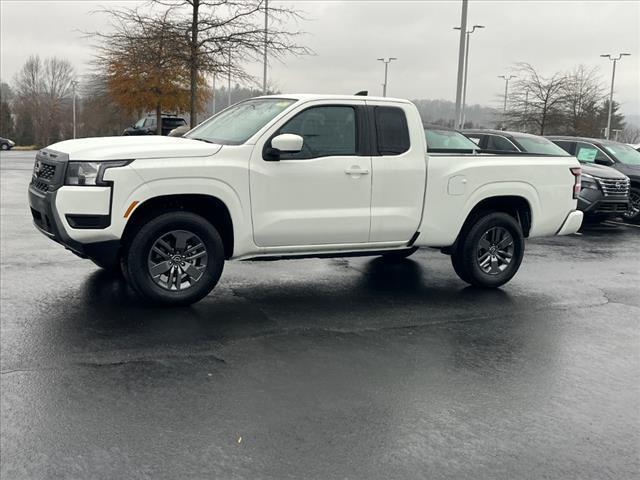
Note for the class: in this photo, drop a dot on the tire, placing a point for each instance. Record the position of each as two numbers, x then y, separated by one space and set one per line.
174 259
399 254
4 146
633 215
489 251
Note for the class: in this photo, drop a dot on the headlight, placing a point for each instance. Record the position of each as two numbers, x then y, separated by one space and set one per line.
90 173
588 181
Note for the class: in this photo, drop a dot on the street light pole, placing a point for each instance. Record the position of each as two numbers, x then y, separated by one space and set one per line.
213 94
74 84
613 79
506 90
386 71
266 38
461 120
229 81
461 49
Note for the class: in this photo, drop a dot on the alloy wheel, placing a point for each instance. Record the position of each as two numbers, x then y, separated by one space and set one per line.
634 205
177 260
495 250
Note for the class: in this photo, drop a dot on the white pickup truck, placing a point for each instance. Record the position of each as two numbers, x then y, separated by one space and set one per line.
294 176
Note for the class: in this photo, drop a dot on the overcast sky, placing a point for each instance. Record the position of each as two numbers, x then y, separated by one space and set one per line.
348 36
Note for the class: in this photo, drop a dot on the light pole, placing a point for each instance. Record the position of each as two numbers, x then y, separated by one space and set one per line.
613 78
463 29
266 33
466 71
229 81
213 94
74 84
506 90
386 71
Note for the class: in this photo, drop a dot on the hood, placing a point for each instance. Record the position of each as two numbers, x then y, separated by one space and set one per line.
133 147
601 171
631 171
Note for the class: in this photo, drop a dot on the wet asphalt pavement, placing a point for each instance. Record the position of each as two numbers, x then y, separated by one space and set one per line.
321 369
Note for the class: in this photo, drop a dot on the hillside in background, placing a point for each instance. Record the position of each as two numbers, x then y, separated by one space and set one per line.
442 112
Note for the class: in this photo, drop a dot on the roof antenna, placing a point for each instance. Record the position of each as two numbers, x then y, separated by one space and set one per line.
362 93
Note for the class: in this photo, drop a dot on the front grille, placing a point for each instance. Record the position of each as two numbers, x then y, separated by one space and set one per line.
46 171
612 187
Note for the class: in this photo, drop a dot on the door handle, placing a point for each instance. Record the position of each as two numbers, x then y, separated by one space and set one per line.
355 170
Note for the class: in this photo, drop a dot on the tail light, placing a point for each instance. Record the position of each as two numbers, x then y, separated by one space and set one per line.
577 184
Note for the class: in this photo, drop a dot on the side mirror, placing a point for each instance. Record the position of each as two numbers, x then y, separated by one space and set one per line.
283 143
602 161
287 143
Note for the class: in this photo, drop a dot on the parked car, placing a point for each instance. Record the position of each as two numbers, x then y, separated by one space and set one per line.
447 140
605 191
147 125
635 146
6 144
610 154
294 176
179 131
501 141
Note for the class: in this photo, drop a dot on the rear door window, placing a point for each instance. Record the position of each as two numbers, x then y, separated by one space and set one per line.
566 146
497 142
391 130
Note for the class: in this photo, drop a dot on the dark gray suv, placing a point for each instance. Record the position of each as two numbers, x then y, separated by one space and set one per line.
605 191
612 154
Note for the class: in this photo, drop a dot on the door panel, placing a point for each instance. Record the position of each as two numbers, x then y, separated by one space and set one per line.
321 195
399 174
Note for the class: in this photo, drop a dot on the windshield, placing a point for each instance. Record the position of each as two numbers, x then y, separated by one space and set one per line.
540 145
448 140
237 124
624 153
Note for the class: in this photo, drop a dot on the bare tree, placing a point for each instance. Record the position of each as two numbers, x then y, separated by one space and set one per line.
43 90
582 93
535 100
223 35
630 134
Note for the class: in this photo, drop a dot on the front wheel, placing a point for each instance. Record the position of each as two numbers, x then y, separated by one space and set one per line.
489 251
175 259
4 146
633 214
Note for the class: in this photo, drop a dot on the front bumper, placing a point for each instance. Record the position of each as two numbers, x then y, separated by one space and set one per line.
593 202
85 210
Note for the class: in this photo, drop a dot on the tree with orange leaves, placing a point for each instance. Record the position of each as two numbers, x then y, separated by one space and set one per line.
141 61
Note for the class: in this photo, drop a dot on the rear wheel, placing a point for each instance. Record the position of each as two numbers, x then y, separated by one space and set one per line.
4 146
175 259
633 214
489 251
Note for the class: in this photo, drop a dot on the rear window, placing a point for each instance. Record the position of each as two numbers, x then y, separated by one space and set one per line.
500 143
540 145
448 140
391 130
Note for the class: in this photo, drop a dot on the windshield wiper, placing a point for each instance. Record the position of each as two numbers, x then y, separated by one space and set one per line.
200 139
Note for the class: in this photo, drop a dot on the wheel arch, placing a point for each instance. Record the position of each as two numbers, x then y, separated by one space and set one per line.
208 206
516 206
